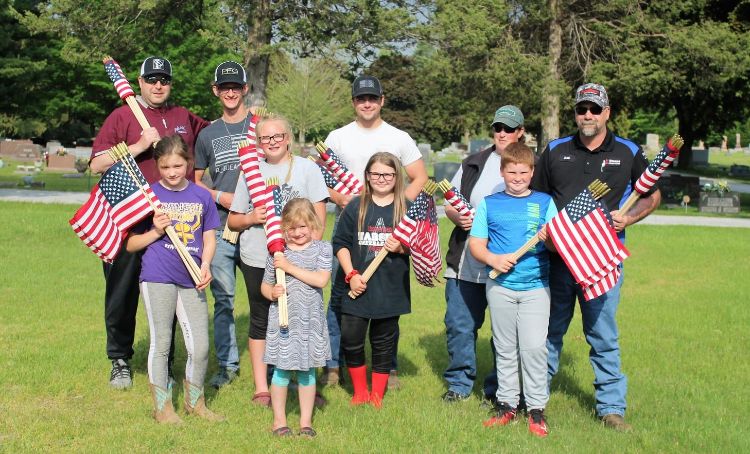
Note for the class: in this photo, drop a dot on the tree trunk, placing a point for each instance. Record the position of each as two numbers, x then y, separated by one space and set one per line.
685 129
256 55
550 97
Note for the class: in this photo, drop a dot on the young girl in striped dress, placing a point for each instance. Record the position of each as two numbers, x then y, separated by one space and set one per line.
303 345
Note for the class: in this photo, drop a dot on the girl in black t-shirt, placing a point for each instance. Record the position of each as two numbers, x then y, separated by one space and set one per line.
364 228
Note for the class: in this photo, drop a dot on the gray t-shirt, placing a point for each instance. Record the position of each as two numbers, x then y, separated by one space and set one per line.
490 181
216 150
305 181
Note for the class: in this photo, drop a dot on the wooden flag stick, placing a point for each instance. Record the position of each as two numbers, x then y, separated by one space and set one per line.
118 152
280 275
597 189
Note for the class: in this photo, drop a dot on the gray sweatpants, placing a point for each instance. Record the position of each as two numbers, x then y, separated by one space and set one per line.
519 332
162 302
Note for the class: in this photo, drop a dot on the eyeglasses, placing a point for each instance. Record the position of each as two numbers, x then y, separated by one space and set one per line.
375 176
595 109
152 80
497 127
276 138
234 88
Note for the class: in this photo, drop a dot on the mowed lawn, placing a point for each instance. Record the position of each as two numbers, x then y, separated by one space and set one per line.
684 324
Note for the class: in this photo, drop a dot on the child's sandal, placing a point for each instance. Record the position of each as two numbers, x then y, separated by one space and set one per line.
282 432
307 432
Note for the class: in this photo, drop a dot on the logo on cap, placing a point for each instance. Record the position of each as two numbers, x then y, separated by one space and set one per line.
157 63
367 83
225 71
591 91
507 112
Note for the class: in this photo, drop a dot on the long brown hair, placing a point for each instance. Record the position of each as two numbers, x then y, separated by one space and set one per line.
399 201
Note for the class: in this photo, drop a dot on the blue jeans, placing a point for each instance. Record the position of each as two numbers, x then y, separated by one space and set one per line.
600 329
466 303
223 269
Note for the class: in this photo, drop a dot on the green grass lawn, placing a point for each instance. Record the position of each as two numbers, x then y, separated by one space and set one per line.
54 180
684 337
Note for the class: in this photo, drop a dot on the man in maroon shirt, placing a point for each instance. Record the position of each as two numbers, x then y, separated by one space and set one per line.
121 294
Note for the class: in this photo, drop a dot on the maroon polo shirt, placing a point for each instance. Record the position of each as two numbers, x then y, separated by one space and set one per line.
122 126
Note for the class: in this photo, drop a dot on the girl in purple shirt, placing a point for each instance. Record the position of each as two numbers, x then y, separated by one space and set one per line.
166 285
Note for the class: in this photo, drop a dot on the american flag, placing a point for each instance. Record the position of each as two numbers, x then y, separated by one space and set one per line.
115 204
250 164
252 138
274 238
585 239
657 167
459 202
118 79
330 180
418 230
338 169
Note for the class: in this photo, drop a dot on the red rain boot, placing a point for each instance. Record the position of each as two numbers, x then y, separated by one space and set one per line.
379 383
359 382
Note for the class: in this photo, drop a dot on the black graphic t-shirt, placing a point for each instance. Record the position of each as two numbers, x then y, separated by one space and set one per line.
388 292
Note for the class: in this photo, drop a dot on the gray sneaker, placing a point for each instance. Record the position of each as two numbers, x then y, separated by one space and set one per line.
223 377
121 376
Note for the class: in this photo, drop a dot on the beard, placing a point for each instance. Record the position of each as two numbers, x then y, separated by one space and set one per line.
589 129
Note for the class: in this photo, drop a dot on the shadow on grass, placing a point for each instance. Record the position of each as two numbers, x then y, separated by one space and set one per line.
139 362
565 383
436 353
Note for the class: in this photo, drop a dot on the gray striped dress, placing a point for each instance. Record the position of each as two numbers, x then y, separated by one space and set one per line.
304 345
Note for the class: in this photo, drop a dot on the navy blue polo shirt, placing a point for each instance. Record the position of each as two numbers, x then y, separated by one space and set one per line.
566 167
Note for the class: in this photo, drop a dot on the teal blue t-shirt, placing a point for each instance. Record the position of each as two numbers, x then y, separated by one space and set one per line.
507 222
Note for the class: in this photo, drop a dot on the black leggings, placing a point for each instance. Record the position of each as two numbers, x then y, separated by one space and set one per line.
259 306
383 337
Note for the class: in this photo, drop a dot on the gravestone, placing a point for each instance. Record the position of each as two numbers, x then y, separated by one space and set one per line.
674 187
714 203
652 143
445 170
426 150
737 142
477 145
700 157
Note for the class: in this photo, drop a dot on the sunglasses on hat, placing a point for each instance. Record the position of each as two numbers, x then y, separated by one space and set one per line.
595 109
152 80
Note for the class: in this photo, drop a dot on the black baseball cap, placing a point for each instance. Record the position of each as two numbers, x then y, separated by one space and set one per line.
156 65
366 85
230 72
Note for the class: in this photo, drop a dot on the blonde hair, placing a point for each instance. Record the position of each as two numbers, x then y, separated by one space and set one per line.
286 126
300 211
399 201
517 153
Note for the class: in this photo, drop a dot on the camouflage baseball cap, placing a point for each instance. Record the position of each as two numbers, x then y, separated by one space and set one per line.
593 93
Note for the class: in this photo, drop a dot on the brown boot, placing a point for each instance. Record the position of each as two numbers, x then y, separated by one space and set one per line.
331 376
163 410
195 403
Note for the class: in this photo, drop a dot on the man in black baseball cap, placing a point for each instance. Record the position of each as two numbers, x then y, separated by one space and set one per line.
216 153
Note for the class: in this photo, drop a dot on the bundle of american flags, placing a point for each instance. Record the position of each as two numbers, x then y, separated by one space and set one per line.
124 90
338 170
585 239
654 170
118 78
114 205
418 230
457 200
260 195
330 180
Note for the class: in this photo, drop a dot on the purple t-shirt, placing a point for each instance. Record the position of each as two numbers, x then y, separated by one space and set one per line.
192 212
